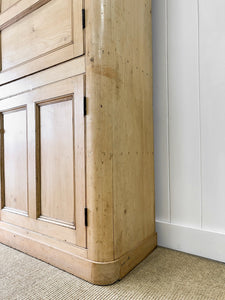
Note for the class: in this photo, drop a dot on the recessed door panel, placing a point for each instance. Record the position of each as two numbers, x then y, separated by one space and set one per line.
57 162
15 160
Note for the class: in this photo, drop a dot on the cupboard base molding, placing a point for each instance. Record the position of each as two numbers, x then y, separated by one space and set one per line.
100 273
136 255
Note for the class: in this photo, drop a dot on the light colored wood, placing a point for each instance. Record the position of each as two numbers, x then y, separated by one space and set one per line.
77 28
120 185
18 10
15 159
58 243
100 84
5 4
53 32
2 168
133 191
39 95
57 163
40 40
50 60
108 152
0 51
70 259
53 230
66 98
33 159
57 73
80 163
136 255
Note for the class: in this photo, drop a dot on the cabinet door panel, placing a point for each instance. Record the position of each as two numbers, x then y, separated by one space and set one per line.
39 36
46 136
57 171
15 160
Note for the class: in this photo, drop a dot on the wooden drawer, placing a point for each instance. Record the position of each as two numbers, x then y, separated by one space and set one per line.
38 34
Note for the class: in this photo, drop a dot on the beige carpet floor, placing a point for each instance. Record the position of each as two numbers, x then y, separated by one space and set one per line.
165 274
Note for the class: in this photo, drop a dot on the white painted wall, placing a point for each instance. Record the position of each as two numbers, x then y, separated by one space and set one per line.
189 124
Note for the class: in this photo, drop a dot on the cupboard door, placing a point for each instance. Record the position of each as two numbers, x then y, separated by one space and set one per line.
38 34
43 154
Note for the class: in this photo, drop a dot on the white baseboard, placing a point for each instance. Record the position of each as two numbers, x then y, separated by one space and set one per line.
194 241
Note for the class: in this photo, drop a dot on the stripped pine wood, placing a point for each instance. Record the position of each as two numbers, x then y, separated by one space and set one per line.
81 78
15 160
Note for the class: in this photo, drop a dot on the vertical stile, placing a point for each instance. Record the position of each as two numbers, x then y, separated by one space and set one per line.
32 162
38 161
2 189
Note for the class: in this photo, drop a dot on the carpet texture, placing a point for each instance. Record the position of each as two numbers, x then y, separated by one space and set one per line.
165 274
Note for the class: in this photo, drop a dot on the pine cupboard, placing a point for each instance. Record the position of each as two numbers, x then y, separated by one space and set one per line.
76 134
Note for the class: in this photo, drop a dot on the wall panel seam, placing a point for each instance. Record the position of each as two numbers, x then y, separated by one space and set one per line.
167 99
199 110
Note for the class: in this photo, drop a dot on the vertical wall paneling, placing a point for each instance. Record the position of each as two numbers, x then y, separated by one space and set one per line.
212 62
184 131
160 108
194 61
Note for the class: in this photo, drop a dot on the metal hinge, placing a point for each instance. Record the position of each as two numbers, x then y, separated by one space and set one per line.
86 216
85 106
83 18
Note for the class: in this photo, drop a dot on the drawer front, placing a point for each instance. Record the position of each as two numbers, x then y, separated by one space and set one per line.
39 36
